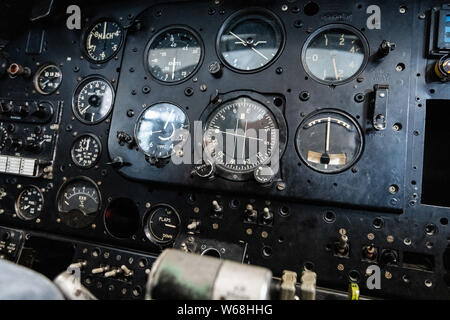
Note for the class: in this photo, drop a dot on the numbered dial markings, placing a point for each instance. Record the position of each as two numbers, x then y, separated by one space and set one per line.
47 79
161 129
241 135
162 224
329 141
250 40
103 41
86 151
334 55
93 100
29 203
174 55
79 197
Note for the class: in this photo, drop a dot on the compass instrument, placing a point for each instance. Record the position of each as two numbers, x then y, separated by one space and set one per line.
93 100
329 141
335 54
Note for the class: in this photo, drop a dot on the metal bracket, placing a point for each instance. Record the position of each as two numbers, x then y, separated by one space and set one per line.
380 110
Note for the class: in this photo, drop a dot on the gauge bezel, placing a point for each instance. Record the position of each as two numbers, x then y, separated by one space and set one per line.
194 33
243 12
277 113
331 26
89 28
77 138
83 82
17 206
38 73
343 114
146 222
63 186
139 118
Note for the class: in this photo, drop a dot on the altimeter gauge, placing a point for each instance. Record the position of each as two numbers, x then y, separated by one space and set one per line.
329 141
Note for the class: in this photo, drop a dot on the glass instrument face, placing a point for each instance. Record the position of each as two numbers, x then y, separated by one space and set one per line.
241 135
329 141
335 55
160 129
163 224
29 203
174 55
47 79
86 151
103 41
250 41
93 100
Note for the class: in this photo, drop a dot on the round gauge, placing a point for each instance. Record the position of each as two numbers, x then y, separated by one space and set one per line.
442 68
29 203
335 54
160 129
329 141
250 40
162 224
93 100
47 79
78 202
103 40
174 54
240 135
86 151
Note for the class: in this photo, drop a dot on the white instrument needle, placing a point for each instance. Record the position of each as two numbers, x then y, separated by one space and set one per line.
258 52
240 39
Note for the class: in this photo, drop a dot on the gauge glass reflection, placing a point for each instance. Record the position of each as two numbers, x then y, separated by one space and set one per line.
335 54
161 129
174 55
250 40
329 141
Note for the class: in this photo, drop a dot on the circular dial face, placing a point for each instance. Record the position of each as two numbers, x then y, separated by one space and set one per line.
161 129
250 40
335 54
78 202
30 202
47 79
103 41
163 224
173 55
86 151
443 67
93 100
241 135
329 141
